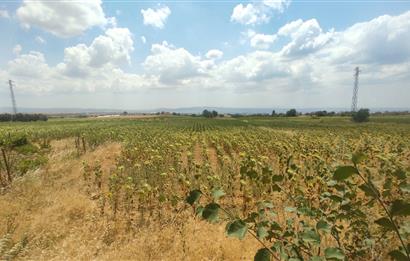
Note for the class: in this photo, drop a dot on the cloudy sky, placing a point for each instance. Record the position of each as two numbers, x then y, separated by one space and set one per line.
147 54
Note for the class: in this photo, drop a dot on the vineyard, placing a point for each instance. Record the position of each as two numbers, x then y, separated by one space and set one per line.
185 188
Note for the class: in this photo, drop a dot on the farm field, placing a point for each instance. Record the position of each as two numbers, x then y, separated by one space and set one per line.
189 188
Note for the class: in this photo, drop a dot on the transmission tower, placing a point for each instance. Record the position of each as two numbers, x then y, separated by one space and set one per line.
13 100
355 89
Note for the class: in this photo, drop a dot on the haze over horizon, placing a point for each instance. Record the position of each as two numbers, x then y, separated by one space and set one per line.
173 54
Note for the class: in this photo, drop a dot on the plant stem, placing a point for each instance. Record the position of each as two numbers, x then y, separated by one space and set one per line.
376 194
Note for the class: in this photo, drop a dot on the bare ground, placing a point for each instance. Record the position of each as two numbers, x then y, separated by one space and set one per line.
53 209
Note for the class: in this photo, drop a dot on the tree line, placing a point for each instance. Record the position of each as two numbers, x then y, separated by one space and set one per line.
22 117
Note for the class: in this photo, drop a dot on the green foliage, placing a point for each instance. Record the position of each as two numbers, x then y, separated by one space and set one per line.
333 253
263 254
210 212
344 172
236 228
291 113
361 115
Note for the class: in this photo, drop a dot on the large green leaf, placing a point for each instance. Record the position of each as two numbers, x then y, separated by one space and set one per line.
400 208
311 236
193 197
210 212
322 225
358 157
398 255
385 222
236 228
368 191
344 172
333 253
263 254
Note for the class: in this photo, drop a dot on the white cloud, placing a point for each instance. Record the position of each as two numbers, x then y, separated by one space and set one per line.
113 48
258 13
63 19
214 54
248 15
157 17
172 64
40 40
4 13
306 37
312 61
143 39
383 40
259 41
278 5
17 49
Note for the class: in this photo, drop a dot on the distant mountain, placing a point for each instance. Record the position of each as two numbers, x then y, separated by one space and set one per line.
183 110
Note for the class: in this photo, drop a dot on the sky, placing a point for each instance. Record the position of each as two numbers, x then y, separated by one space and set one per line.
130 54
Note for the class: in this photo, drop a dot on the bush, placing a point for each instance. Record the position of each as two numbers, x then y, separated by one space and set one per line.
291 113
361 116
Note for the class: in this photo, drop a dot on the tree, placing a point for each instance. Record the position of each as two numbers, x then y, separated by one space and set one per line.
214 114
273 113
361 115
291 113
209 114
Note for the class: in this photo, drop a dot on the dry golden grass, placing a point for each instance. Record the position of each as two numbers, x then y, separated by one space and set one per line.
52 207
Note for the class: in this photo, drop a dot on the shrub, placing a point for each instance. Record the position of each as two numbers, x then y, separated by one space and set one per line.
361 115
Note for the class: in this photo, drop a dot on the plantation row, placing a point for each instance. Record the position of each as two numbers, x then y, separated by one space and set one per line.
305 190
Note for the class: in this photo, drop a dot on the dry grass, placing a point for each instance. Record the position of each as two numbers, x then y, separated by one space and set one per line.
53 209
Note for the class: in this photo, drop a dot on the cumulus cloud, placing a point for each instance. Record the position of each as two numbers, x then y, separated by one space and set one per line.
214 54
258 13
312 59
259 41
113 48
306 37
63 19
156 17
172 64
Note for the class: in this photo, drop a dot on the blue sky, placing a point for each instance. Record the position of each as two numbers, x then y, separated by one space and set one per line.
230 53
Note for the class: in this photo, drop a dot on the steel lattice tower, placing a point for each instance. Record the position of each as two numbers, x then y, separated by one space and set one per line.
13 100
355 89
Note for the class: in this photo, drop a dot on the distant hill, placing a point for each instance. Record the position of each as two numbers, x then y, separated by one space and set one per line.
184 110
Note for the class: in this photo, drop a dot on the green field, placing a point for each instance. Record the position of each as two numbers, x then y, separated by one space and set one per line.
299 188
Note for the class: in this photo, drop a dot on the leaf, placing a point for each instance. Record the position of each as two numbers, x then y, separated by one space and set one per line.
400 174
322 225
236 228
263 254
261 231
368 191
217 193
405 187
210 212
277 178
311 236
385 222
400 208
193 197
199 211
344 172
333 253
358 157
398 255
